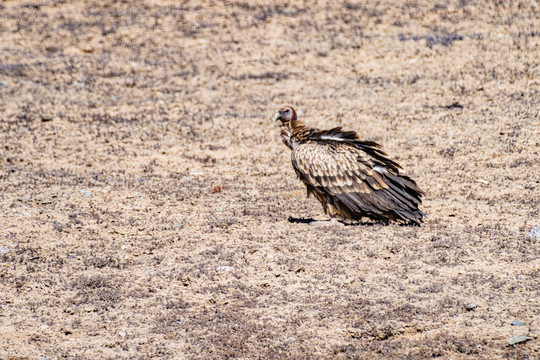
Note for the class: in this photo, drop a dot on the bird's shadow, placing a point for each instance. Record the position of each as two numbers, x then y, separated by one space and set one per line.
294 220
300 220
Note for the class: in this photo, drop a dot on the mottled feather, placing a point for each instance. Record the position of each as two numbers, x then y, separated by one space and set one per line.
351 178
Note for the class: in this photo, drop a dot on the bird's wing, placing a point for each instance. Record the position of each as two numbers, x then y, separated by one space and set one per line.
350 174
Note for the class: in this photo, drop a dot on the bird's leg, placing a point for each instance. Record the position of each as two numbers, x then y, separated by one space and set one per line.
325 223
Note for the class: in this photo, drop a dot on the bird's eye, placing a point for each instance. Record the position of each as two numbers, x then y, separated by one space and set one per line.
287 111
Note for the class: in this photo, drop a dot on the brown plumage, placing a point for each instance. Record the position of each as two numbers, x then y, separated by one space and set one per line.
350 177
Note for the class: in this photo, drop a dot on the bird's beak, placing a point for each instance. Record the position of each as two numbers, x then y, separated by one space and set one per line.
277 116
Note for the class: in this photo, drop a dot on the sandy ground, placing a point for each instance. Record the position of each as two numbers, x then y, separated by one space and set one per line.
148 208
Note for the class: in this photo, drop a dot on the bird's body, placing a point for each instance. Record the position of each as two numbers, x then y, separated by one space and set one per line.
351 178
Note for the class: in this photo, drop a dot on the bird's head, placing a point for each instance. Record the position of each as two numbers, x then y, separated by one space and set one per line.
286 115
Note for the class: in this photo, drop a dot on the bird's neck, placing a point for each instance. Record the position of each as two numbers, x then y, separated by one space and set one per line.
294 133
297 127
299 130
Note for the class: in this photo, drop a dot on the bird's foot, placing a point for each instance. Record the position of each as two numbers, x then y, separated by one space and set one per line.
326 223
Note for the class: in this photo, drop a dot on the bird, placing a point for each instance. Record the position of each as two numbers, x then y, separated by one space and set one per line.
353 179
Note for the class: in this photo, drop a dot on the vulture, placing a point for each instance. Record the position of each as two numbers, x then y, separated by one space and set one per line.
351 178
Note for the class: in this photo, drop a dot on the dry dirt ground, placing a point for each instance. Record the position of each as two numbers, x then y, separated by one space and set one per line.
148 208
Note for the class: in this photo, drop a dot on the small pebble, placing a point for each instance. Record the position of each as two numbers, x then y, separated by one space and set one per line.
25 214
519 339
224 268
86 193
470 306
535 233
122 333
517 323
4 249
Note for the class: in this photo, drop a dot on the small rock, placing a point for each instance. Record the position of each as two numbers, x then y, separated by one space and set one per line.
25 214
517 323
86 193
87 49
147 271
535 233
23 198
122 333
4 249
519 339
224 268
470 306
46 118
158 203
